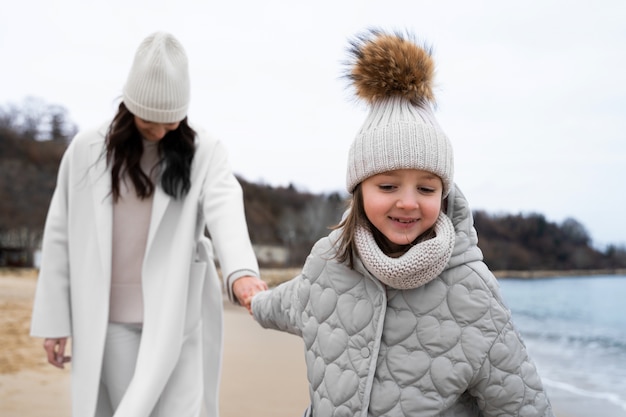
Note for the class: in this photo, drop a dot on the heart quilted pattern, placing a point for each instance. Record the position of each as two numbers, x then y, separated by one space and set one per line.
449 378
315 370
500 393
380 406
341 385
467 306
393 335
426 298
354 313
407 367
437 337
331 342
505 356
326 302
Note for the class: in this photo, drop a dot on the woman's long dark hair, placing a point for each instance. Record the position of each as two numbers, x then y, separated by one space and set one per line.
124 147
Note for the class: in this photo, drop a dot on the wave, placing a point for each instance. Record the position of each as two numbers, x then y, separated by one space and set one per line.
580 340
555 314
606 396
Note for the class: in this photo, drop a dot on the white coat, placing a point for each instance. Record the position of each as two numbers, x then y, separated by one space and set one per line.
182 294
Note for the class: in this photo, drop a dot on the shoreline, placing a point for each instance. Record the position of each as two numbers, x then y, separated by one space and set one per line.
540 274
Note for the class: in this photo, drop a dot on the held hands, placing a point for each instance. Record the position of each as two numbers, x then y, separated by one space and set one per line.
245 288
55 349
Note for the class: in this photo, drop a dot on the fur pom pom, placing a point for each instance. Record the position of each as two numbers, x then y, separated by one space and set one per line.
384 65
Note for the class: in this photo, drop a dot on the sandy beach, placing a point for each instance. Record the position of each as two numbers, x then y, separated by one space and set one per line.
263 370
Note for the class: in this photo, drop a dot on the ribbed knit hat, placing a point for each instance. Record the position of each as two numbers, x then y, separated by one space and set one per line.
157 89
394 76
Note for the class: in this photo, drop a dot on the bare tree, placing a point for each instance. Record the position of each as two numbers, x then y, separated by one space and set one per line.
59 127
31 118
37 120
9 117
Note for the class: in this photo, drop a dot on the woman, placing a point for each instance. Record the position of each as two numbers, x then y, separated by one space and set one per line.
126 271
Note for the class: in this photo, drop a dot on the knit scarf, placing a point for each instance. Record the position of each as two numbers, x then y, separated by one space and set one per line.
419 265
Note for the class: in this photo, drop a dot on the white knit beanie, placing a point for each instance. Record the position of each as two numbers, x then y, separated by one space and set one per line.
394 76
157 89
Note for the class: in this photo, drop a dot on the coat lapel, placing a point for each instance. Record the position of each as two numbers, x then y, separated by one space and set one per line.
103 205
159 205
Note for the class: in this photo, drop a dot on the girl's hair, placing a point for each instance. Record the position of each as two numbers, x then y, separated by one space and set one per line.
124 147
356 216
348 225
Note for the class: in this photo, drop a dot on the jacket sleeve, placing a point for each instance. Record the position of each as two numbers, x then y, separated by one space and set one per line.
281 307
51 308
223 210
508 382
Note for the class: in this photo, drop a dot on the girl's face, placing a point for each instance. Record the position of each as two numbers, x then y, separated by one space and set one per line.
152 131
402 204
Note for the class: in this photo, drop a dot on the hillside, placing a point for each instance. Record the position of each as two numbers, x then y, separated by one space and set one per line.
287 217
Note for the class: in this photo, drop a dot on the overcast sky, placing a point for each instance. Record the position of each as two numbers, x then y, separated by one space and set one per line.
532 94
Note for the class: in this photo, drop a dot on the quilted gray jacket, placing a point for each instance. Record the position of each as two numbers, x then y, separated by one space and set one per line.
447 348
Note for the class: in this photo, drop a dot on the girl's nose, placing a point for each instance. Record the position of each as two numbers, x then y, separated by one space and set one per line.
407 200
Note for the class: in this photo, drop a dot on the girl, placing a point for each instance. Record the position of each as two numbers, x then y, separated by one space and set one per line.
126 271
398 313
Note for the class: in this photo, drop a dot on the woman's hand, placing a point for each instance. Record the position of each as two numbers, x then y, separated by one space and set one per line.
55 349
247 287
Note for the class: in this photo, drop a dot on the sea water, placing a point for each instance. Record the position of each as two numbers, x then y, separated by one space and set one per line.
575 331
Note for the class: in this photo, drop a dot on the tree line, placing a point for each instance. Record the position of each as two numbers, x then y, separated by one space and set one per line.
34 136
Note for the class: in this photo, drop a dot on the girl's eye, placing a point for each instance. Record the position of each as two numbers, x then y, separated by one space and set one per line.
386 187
426 190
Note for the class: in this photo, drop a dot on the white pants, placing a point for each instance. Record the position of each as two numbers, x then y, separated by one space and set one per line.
182 395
